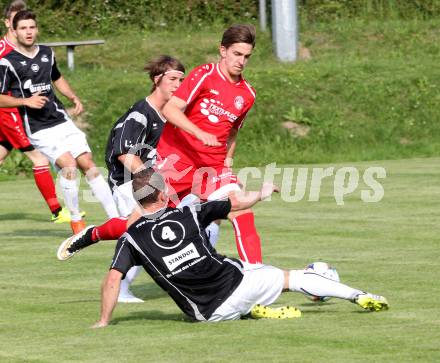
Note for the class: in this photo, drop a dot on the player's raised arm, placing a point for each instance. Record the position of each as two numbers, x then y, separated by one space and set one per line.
173 112
243 200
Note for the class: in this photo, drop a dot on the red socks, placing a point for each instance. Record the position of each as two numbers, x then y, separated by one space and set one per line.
110 230
247 239
45 184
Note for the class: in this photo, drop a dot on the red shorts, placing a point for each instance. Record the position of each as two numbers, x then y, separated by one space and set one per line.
183 179
12 134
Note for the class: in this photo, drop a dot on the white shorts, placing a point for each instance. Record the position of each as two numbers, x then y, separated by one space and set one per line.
261 284
123 197
55 141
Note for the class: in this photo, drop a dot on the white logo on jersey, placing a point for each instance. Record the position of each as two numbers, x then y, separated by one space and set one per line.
128 143
23 63
176 259
213 110
44 58
35 67
239 102
168 234
37 87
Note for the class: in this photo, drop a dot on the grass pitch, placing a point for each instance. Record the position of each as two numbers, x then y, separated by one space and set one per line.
389 248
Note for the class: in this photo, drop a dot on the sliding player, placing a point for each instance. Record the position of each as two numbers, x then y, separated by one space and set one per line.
172 247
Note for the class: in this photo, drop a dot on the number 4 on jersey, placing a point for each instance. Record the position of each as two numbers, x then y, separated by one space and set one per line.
168 234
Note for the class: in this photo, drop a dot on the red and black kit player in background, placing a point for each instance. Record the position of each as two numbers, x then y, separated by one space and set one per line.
13 136
204 116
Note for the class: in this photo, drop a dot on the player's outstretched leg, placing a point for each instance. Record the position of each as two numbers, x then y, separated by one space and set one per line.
110 230
75 243
317 285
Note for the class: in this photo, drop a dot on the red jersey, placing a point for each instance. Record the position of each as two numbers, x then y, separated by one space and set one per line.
215 105
6 47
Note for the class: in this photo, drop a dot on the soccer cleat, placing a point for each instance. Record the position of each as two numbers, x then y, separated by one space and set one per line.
266 312
371 302
75 243
128 298
63 216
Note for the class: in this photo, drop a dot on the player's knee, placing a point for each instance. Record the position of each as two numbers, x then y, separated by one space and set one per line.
87 165
37 158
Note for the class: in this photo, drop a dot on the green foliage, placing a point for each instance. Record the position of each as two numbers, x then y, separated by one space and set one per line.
108 17
328 10
296 114
15 163
61 18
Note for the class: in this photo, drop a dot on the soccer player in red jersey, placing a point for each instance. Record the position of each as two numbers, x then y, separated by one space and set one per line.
12 134
198 142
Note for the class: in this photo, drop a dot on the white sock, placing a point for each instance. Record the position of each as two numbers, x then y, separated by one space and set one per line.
127 281
70 193
102 192
213 232
317 285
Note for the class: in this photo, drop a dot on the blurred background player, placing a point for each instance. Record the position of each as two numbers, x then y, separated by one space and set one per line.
29 73
173 249
204 116
12 134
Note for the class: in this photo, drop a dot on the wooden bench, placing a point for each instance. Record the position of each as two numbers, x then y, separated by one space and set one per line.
70 46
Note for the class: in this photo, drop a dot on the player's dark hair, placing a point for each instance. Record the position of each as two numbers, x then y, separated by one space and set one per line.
158 66
147 184
23 15
13 6
239 33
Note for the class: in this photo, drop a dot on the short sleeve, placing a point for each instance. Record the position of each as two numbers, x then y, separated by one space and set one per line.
211 211
4 77
193 83
55 74
238 124
128 133
125 256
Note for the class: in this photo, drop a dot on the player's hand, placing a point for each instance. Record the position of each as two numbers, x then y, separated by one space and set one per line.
99 324
78 106
35 101
207 138
267 189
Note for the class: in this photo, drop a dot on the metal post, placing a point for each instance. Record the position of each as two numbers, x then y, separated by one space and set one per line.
285 29
70 61
263 17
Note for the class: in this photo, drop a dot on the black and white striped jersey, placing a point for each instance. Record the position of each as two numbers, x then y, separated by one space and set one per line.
174 250
136 132
23 76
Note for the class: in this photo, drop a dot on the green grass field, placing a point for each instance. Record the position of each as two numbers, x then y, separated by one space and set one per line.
390 248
